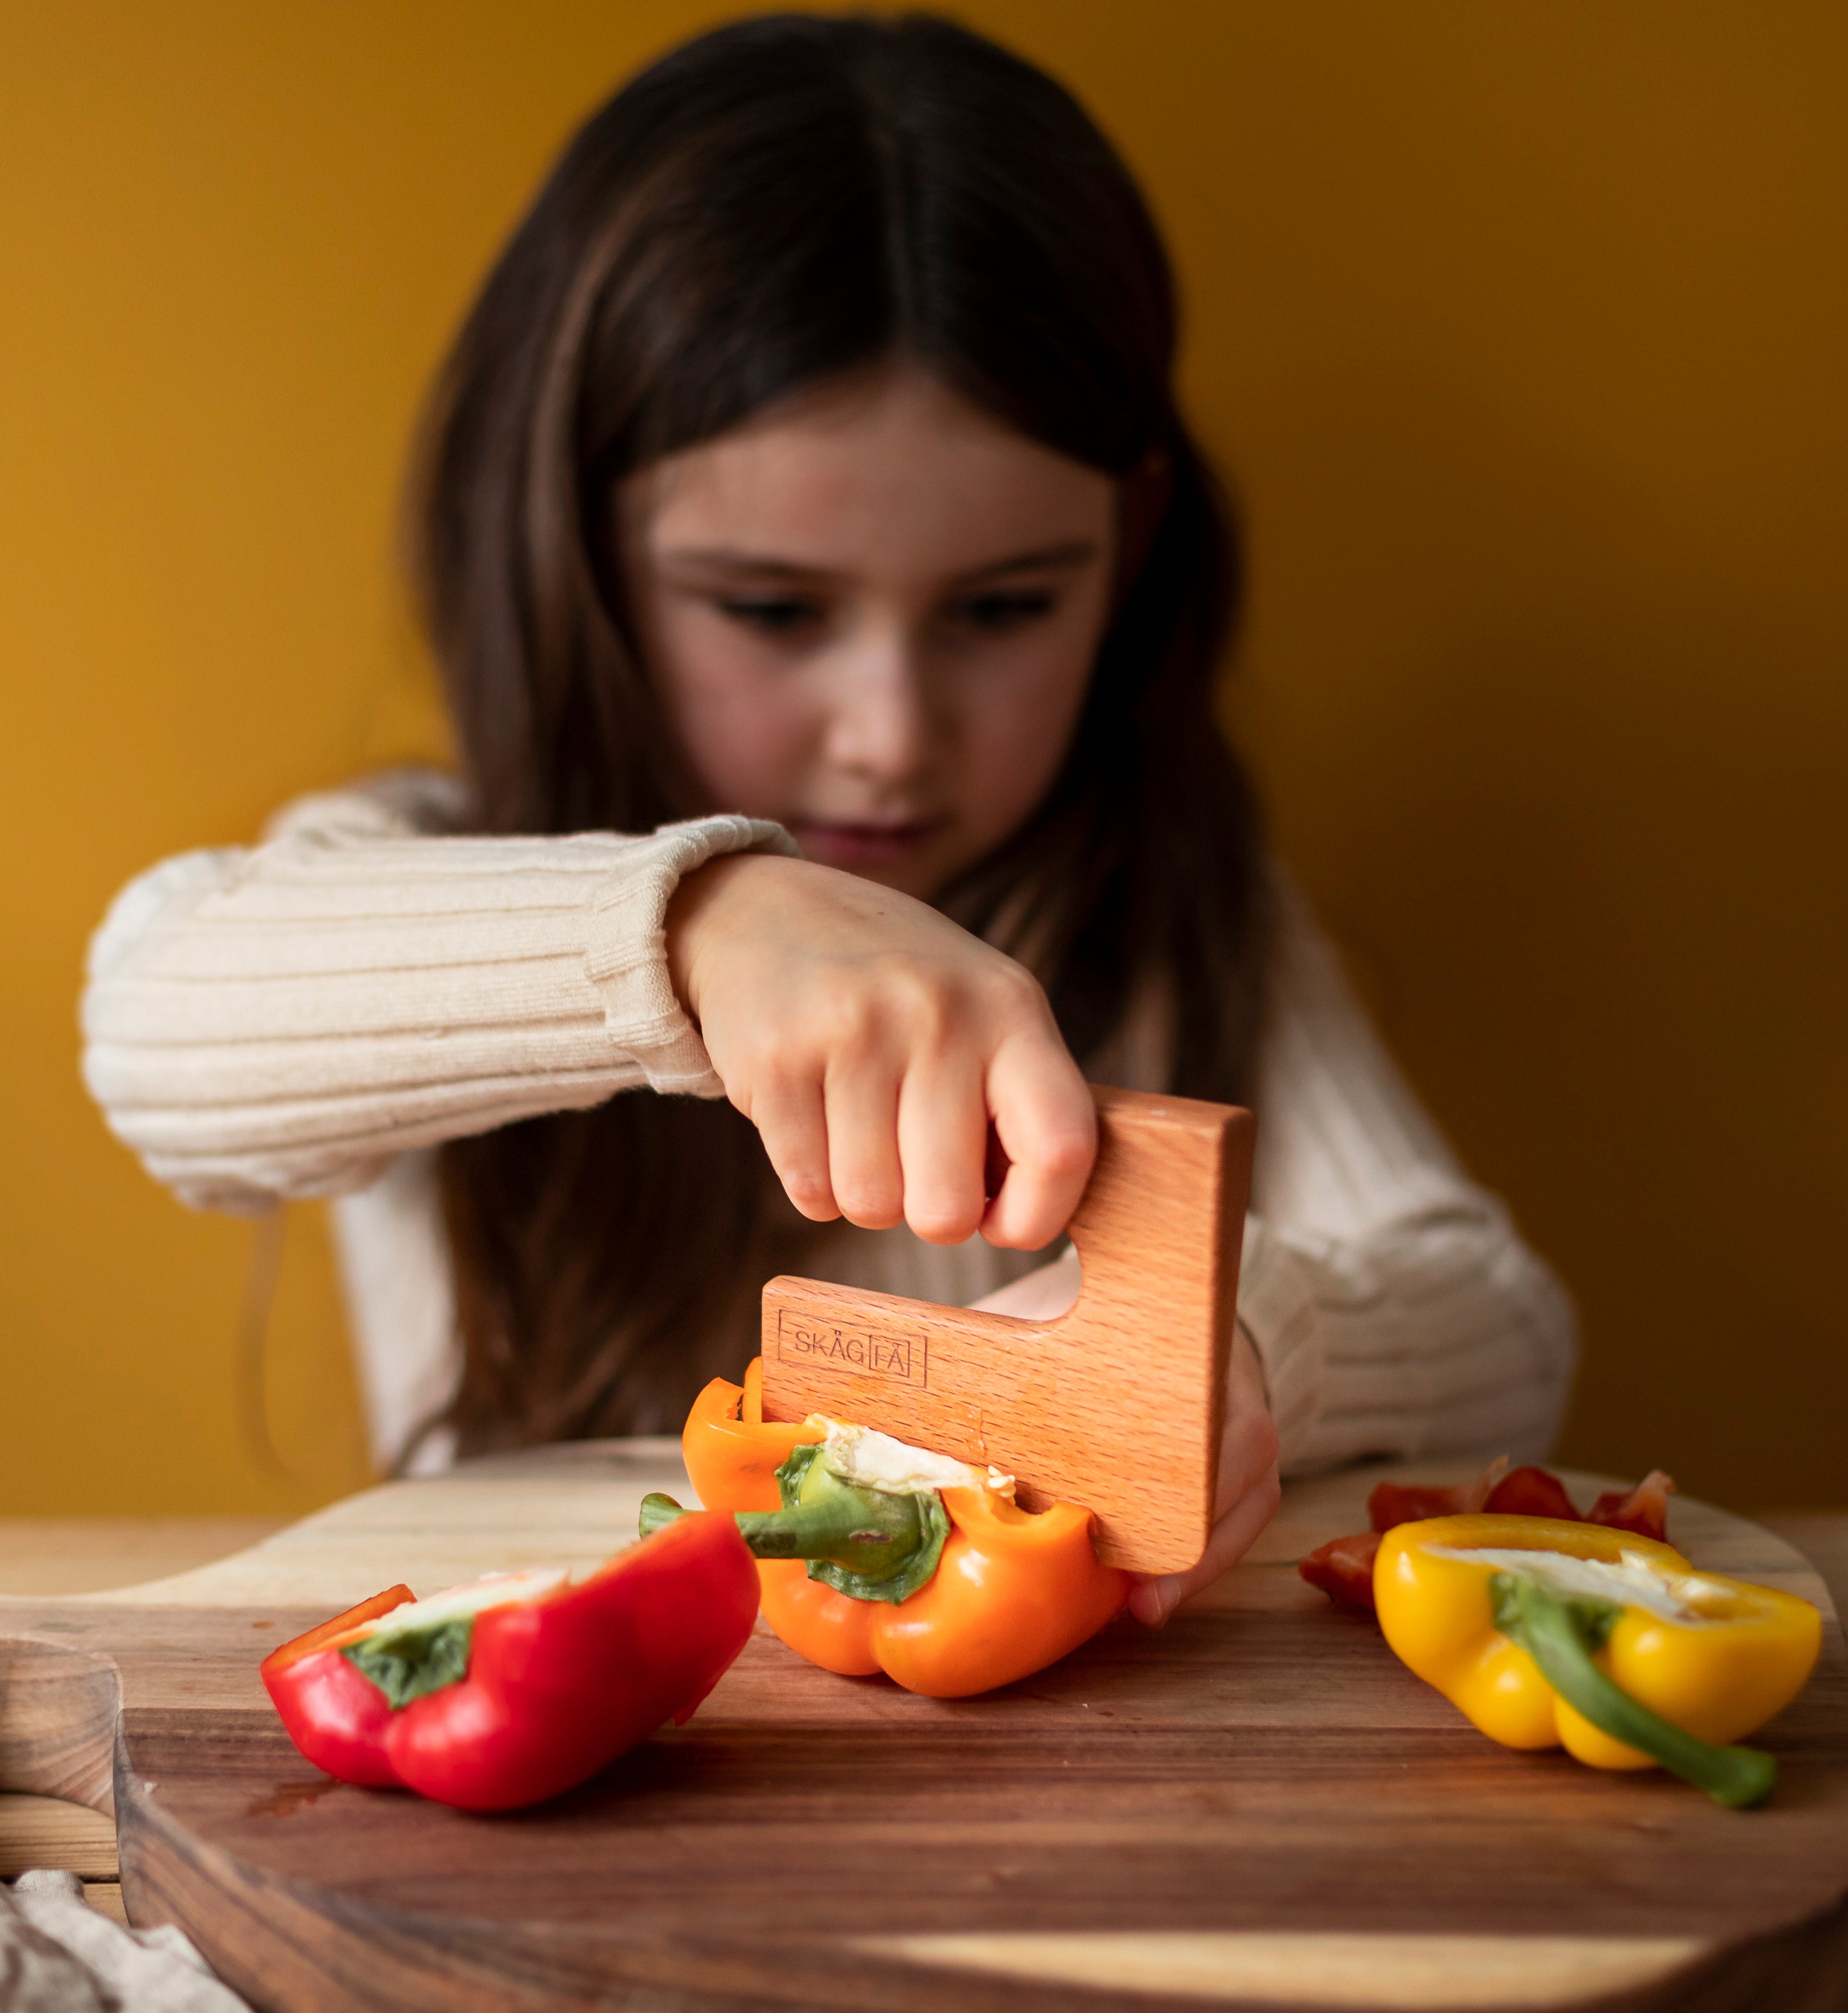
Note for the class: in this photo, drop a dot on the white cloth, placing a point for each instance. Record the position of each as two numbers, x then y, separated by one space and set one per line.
307 1016
58 1955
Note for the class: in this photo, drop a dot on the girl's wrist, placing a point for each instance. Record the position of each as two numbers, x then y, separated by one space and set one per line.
691 911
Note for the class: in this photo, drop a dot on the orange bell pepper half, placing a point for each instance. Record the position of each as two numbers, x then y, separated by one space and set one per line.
1013 1590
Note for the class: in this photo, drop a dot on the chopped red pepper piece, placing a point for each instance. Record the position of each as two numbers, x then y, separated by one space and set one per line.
1643 1510
1531 1492
1343 1567
1392 1503
514 1690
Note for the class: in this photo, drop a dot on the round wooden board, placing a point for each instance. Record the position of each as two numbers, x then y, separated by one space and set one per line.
1257 1807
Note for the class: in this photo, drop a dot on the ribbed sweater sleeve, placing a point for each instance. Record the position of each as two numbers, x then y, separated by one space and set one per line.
1393 1305
284 1020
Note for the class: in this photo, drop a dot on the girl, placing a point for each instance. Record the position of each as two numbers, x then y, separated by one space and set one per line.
828 597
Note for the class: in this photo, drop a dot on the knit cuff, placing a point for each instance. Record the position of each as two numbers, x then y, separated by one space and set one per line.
626 958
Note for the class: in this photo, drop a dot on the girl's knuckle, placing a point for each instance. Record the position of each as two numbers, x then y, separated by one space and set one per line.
1067 1154
1014 992
942 1222
923 996
803 1180
871 1210
849 1031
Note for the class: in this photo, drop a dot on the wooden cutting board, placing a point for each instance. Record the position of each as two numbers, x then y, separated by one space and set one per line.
1257 1807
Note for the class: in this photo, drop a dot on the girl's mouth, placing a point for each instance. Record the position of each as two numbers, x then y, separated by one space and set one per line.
840 844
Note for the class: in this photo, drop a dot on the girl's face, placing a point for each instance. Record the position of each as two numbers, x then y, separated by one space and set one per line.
872 613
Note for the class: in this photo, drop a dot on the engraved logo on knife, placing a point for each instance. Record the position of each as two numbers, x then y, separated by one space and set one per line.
825 1345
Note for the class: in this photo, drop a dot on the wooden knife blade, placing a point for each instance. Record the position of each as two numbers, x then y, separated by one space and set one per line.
1118 1403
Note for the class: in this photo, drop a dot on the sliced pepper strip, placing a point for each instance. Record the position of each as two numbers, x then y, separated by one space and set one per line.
503 1699
330 1634
1469 1604
1013 1590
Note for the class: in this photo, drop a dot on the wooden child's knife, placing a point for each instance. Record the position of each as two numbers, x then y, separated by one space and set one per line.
1118 1403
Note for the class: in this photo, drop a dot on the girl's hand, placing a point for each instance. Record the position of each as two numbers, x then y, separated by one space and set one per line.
872 1042
1248 1488
1248 1495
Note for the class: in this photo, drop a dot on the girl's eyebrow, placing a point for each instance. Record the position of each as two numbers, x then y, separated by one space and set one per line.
1071 553
764 566
734 558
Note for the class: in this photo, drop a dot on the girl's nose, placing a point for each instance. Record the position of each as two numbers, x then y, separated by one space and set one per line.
880 725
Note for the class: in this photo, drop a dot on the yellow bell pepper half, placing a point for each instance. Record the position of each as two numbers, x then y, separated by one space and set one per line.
1544 1633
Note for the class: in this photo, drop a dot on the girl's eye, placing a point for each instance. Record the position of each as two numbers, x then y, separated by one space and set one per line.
771 614
995 613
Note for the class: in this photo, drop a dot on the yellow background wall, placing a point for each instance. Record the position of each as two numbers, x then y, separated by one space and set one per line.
1522 329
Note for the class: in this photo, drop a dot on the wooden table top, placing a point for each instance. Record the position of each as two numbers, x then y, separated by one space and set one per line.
49 1556
40 1557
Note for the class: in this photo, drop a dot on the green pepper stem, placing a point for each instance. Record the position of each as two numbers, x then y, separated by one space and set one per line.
658 1511
857 1529
1554 1635
868 1543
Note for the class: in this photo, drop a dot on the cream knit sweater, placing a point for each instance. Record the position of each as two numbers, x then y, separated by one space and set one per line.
311 1016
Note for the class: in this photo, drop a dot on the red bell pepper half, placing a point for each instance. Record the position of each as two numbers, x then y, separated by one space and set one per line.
516 1687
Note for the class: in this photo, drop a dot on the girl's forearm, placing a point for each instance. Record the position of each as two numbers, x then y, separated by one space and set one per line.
284 1020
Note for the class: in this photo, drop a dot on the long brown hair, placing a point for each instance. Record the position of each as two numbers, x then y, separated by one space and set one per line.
777 203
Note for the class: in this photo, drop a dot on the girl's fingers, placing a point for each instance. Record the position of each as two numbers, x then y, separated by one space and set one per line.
863 1146
943 1130
1246 1495
1248 1447
797 972
1154 1599
792 1122
1047 1123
